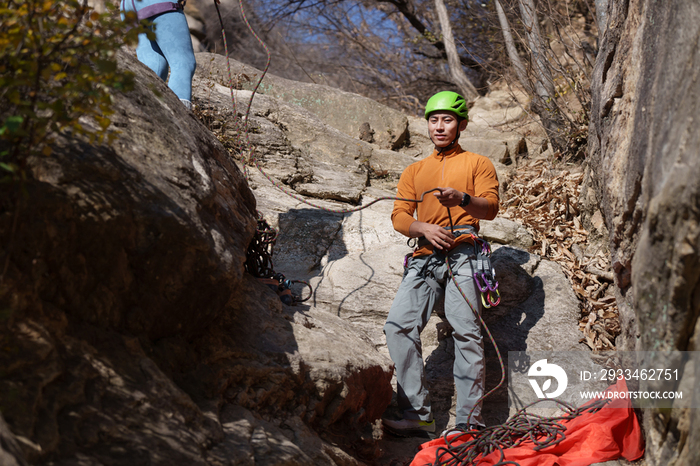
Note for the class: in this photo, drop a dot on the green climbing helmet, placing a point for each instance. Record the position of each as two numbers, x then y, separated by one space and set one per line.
447 100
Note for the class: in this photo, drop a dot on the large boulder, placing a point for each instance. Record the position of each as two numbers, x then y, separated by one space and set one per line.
132 333
137 238
122 234
644 165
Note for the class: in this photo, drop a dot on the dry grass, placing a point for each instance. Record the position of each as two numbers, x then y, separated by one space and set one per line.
545 199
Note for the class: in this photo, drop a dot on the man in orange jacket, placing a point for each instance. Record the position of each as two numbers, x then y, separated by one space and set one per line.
468 191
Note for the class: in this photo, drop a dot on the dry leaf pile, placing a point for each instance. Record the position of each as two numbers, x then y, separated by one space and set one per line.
545 200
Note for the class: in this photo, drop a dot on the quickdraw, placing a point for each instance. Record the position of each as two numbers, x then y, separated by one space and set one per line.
485 273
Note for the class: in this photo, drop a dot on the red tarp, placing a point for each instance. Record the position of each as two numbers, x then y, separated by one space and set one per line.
606 435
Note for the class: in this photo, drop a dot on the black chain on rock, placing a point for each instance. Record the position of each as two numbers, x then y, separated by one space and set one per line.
258 263
258 260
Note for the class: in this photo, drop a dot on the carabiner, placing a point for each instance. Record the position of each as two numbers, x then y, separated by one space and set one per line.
483 301
478 285
488 283
488 298
485 249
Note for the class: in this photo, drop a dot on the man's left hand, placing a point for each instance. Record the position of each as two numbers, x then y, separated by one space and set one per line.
449 197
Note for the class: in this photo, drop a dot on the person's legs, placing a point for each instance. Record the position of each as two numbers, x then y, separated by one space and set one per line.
408 316
148 52
468 369
173 37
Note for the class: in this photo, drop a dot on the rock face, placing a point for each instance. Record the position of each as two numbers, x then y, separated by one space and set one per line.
133 334
644 164
349 113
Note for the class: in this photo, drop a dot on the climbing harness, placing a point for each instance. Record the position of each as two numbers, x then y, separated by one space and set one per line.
484 275
155 9
456 230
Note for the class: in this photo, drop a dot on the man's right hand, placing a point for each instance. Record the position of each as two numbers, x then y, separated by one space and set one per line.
438 236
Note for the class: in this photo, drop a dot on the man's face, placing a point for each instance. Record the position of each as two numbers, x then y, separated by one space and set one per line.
443 127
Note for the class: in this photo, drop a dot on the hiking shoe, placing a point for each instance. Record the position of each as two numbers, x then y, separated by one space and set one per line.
410 427
462 428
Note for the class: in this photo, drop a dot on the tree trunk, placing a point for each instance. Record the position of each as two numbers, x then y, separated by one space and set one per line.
466 88
601 10
544 84
544 104
520 71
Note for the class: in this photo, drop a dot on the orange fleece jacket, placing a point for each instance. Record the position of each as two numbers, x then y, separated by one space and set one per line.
464 171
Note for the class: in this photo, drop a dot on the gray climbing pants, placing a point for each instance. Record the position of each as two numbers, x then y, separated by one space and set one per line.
423 285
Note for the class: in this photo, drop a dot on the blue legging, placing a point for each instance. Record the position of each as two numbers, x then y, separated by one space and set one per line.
172 46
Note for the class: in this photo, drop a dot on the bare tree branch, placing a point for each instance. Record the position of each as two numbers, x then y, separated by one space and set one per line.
511 49
408 10
466 88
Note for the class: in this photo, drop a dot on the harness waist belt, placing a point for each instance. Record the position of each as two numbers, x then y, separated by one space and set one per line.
469 230
156 9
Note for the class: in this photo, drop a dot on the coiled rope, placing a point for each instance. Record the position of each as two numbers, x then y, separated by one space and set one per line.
523 426
542 431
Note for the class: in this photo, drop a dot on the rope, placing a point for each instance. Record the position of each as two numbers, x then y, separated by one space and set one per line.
341 211
258 262
488 332
543 432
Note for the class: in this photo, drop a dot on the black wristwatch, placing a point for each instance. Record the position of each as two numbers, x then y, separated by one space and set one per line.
466 199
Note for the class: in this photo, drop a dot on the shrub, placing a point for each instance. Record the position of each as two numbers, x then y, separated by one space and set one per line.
57 66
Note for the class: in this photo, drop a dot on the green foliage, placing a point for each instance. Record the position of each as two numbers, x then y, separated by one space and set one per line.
57 65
